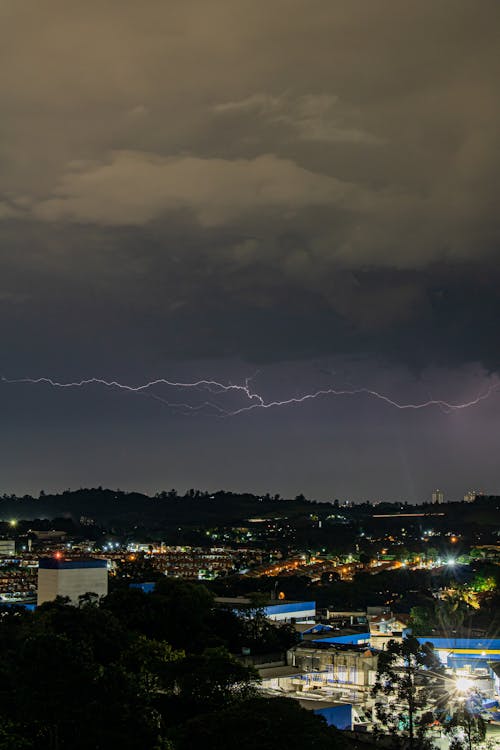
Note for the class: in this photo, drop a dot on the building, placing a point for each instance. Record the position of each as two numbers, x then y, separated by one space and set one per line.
291 611
71 578
345 667
489 552
471 495
334 676
475 659
314 691
386 627
282 611
469 653
17 583
438 497
309 631
7 547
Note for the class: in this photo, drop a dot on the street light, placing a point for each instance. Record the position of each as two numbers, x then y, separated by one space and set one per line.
463 685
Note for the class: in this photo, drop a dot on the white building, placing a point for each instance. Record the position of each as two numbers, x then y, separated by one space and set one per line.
72 578
386 627
471 495
278 611
284 611
438 496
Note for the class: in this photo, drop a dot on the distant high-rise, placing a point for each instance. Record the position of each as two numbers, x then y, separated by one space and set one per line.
438 497
471 495
71 578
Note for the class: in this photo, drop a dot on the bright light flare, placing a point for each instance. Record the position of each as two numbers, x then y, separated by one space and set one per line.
463 685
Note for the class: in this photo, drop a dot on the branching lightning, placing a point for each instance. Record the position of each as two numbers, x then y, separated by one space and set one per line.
252 400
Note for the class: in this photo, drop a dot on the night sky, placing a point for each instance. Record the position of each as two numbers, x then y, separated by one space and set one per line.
304 192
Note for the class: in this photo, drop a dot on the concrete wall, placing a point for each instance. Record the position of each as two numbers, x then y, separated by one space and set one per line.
72 583
338 667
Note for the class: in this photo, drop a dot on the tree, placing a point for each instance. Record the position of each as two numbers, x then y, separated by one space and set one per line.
264 723
150 661
422 620
451 612
11 736
176 611
44 694
212 680
465 729
409 678
264 636
89 599
329 576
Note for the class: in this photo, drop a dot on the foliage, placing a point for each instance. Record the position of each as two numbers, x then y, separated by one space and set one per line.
465 729
100 676
422 620
263 723
211 680
451 612
409 679
177 612
11 737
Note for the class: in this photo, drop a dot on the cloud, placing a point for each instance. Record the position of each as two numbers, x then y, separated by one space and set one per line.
12 298
311 117
7 211
317 170
136 187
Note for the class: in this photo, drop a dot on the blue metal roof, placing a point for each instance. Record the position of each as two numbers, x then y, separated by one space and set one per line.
352 639
482 644
289 608
318 627
30 606
147 587
53 563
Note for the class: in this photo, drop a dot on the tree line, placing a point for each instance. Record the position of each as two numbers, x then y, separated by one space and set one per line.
141 671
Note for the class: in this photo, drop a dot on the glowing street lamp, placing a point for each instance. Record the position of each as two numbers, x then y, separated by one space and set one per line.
463 685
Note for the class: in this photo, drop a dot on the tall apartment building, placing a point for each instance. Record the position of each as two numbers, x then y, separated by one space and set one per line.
471 495
438 496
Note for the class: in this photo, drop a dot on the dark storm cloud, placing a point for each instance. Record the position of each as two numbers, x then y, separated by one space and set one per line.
264 180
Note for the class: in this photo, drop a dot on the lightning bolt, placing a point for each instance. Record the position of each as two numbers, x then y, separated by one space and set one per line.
252 399
448 407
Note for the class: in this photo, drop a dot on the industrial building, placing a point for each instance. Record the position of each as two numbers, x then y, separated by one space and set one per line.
277 611
71 578
334 676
